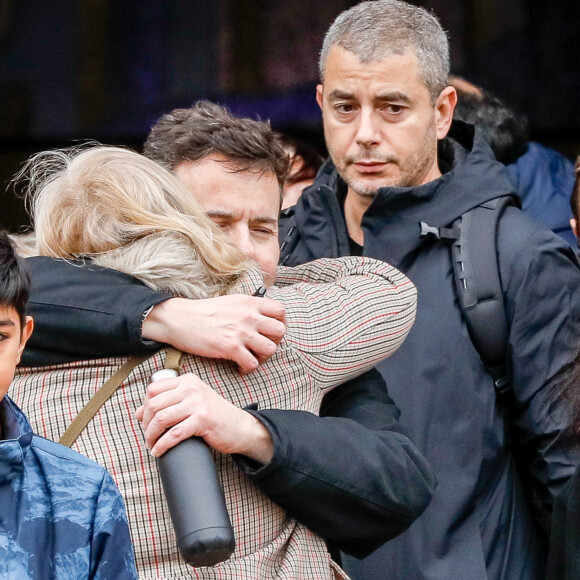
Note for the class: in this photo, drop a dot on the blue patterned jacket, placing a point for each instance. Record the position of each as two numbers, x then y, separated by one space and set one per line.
61 514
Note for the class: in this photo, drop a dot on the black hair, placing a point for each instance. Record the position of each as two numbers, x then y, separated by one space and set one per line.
206 129
14 281
505 130
311 159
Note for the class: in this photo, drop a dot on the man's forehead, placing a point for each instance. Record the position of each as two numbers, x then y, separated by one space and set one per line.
214 180
342 60
394 78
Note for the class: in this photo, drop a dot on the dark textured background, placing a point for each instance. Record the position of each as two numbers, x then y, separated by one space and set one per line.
73 70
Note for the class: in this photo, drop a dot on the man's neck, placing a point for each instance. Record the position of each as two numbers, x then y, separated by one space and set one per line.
354 208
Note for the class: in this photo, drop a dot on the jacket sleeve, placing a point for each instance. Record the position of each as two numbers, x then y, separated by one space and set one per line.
345 315
111 549
351 475
84 311
542 297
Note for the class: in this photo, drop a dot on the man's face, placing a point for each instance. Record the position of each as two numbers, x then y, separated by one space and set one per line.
12 341
243 203
380 126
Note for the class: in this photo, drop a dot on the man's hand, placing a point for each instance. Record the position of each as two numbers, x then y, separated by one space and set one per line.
240 328
178 408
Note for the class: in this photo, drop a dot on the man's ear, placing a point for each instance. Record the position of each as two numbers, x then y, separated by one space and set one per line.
25 335
444 107
319 89
574 226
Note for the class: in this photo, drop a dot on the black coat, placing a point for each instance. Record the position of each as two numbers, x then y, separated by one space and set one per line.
353 476
478 525
564 558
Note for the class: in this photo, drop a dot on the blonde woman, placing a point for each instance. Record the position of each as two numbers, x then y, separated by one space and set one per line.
123 211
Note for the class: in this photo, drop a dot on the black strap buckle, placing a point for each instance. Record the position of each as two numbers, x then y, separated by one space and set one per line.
428 231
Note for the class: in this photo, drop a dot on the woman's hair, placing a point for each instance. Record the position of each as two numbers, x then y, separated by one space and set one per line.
126 212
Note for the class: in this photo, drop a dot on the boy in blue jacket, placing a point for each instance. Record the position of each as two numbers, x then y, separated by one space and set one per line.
61 514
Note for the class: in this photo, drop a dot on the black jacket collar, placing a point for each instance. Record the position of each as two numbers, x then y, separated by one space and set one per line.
472 177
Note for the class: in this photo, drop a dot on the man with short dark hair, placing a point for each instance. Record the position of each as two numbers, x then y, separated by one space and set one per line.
387 112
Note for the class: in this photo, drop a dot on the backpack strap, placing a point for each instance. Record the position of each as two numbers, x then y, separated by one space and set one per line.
477 279
479 287
172 358
86 414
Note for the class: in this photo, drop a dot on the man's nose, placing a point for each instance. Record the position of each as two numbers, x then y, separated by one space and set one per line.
243 240
368 130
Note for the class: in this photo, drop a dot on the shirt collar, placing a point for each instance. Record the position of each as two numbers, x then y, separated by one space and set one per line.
248 282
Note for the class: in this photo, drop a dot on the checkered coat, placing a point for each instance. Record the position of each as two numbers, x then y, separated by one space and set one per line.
343 316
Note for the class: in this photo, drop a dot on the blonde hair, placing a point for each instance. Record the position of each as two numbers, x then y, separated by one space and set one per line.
126 212
25 244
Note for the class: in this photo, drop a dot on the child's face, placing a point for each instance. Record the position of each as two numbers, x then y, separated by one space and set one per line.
12 341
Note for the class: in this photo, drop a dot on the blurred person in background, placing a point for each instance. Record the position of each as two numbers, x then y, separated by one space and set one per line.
543 177
305 162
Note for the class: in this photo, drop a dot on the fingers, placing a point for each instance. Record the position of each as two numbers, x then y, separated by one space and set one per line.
170 438
244 329
245 360
169 427
271 309
179 408
258 348
169 403
271 328
158 401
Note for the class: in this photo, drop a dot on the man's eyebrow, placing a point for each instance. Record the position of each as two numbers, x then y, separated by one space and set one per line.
218 213
396 96
336 94
6 322
388 96
264 220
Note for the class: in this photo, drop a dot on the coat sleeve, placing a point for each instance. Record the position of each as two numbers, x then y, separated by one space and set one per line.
542 296
345 315
351 475
84 311
111 548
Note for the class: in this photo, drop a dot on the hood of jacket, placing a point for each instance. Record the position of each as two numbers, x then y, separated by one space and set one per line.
471 176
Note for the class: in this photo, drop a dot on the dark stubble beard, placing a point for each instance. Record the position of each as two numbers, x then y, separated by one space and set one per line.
412 169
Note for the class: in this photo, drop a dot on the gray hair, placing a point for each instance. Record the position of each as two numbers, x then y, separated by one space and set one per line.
375 29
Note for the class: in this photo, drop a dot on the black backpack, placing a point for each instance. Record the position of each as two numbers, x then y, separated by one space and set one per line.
477 279
473 239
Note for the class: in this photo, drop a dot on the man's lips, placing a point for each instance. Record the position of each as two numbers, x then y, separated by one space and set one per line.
369 166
